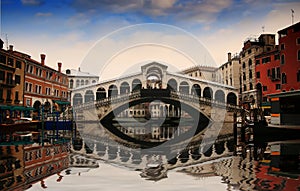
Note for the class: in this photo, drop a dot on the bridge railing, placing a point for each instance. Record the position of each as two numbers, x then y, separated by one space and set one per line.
137 95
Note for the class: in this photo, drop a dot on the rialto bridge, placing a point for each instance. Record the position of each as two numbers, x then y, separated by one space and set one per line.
209 104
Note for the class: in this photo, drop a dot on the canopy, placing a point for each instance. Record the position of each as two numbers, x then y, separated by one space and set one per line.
62 102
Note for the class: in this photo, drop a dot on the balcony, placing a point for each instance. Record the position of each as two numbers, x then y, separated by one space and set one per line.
8 83
9 101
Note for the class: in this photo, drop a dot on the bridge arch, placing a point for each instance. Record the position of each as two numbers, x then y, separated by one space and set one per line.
124 88
89 96
77 99
136 85
172 84
100 93
220 96
112 90
207 93
196 90
184 87
231 98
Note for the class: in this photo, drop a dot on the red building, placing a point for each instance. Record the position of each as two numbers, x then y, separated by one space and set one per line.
44 85
278 70
289 45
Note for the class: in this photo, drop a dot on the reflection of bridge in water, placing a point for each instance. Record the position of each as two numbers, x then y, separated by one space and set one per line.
213 107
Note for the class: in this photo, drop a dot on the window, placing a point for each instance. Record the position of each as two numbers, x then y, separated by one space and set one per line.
283 78
71 84
9 78
282 60
266 60
10 62
258 75
257 62
298 41
250 63
17 96
8 95
265 88
251 86
2 76
77 83
277 86
244 76
17 79
298 76
18 64
278 72
82 83
3 59
298 55
1 94
244 65
276 57
245 87
250 74
269 72
249 51
282 47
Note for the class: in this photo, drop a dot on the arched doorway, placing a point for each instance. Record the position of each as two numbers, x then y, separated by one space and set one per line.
172 85
36 105
124 88
100 94
231 98
89 96
207 93
136 85
196 90
112 91
220 96
77 99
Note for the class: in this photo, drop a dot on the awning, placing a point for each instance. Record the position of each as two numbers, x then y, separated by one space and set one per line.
5 107
62 102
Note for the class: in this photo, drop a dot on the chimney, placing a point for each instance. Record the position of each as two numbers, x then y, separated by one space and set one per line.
43 56
229 56
59 66
11 47
79 69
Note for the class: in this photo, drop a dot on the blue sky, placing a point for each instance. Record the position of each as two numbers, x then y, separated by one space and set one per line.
66 30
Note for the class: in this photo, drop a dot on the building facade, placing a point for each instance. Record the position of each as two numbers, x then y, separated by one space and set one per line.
229 72
252 47
11 83
78 79
289 45
43 86
202 72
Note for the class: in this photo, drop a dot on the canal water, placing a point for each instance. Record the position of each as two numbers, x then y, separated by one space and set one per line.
227 173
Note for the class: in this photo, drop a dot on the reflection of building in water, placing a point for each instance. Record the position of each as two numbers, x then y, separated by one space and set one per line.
155 109
22 165
244 174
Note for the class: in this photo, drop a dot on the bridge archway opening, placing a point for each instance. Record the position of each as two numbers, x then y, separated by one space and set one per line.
184 87
154 78
136 85
207 93
172 85
231 98
196 90
89 96
124 88
220 96
77 99
100 94
112 90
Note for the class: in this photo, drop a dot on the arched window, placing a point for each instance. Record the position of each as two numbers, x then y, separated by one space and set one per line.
82 83
283 78
298 55
231 98
71 84
77 83
86 82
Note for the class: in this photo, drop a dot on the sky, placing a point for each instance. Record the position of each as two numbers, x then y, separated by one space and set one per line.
118 34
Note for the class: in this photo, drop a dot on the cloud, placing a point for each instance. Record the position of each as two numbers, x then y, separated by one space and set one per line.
40 14
32 2
176 10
